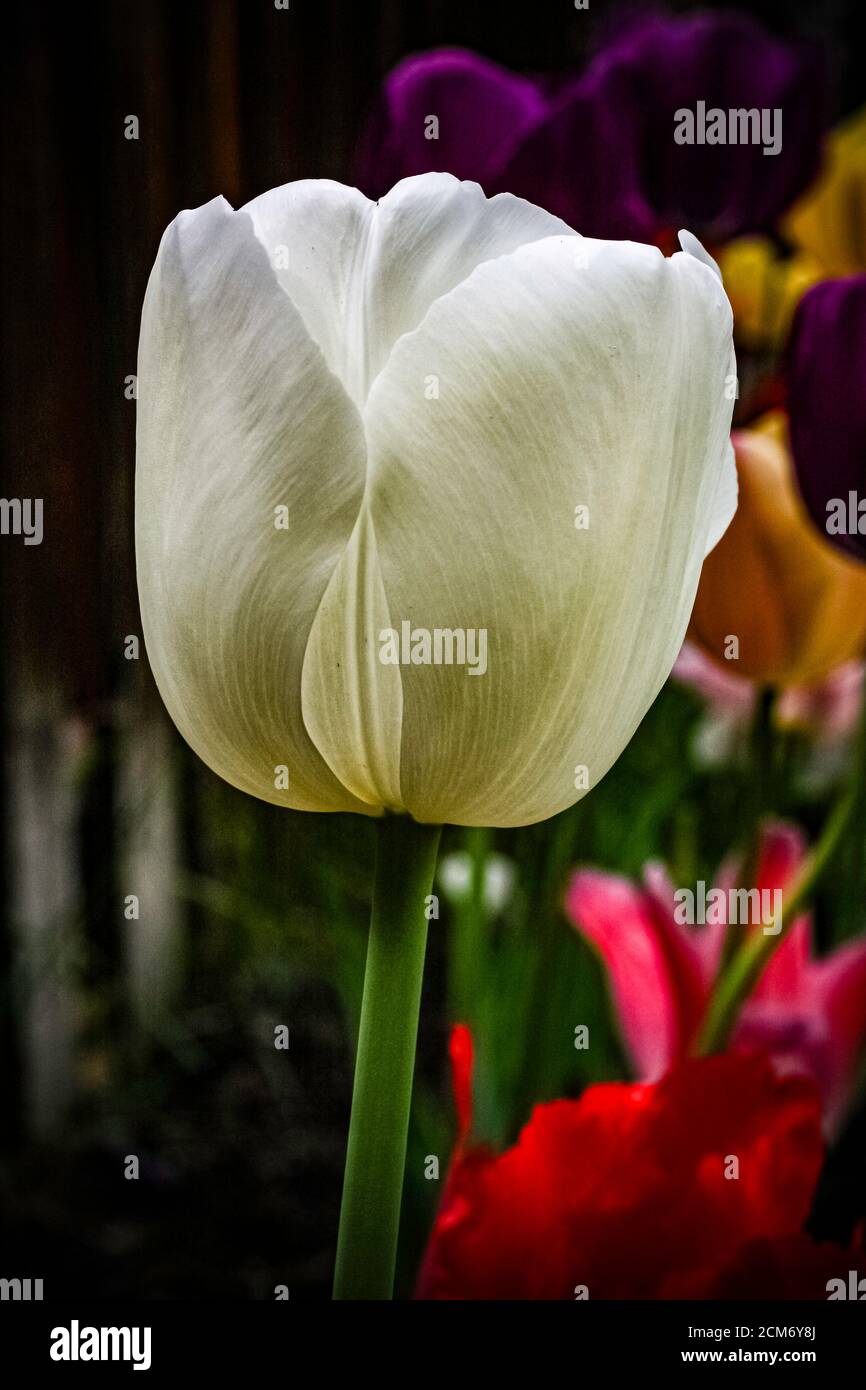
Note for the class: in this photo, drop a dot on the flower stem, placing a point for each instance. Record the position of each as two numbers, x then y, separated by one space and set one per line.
376 1153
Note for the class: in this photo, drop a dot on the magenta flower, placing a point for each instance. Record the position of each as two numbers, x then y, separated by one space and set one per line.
600 150
808 1014
827 408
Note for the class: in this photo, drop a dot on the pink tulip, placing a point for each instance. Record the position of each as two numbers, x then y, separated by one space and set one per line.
808 1014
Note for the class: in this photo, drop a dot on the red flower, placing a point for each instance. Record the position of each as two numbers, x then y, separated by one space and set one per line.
808 1014
674 1189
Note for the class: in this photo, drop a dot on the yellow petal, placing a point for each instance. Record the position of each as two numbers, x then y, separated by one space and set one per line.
764 289
829 221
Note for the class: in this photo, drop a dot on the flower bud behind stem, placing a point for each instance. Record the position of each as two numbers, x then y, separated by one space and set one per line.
385 1063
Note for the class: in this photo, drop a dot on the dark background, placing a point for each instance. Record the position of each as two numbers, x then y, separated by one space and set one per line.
160 1045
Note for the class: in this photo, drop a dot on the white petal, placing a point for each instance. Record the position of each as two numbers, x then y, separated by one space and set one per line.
725 501
362 273
571 372
238 415
692 247
352 704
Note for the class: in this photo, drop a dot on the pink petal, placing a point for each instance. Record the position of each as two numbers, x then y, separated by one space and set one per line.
809 1015
785 980
839 992
782 850
695 951
829 711
725 690
620 922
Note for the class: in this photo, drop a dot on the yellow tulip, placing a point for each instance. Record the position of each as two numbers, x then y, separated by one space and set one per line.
764 288
829 221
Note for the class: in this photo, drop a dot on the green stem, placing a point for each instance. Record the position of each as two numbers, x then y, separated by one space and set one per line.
376 1152
759 792
748 964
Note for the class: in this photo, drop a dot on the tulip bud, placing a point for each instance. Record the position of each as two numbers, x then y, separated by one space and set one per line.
366 433
776 602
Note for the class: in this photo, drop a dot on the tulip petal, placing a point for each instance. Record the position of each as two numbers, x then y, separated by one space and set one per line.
826 372
461 1053
627 1191
353 705
729 64
238 415
600 190
725 500
796 606
692 952
829 220
620 922
689 243
786 977
479 109
553 394
362 273
839 995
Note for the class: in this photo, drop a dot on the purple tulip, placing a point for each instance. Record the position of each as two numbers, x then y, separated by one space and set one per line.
827 408
601 151
700 77
564 151
481 110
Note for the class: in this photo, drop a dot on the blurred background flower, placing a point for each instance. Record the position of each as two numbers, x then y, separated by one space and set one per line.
629 1192
455 874
596 149
808 1015
816 721
764 285
776 602
826 370
828 222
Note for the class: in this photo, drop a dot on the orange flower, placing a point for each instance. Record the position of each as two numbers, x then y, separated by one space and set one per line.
775 601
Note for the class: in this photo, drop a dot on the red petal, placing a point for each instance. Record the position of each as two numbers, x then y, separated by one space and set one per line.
626 1189
460 1052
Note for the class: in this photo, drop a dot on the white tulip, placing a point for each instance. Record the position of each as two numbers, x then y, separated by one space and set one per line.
441 411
